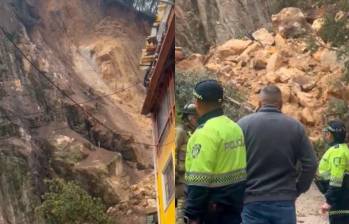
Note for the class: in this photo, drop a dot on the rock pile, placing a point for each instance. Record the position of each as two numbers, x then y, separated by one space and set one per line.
308 80
142 198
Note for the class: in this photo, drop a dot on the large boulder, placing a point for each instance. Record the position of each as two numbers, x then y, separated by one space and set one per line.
290 23
259 61
305 82
307 117
264 37
286 74
275 62
193 63
304 99
302 62
232 47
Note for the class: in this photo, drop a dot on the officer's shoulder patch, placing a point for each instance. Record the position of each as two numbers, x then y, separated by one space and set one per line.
196 150
337 161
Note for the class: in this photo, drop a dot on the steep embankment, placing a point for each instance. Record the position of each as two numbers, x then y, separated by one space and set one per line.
90 50
201 25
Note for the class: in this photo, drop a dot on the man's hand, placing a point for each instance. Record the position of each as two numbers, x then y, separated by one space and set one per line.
325 208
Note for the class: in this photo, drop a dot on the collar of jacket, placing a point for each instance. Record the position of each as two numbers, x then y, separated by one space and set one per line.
269 108
212 114
335 144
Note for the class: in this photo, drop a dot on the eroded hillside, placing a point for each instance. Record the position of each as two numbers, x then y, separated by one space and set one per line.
87 128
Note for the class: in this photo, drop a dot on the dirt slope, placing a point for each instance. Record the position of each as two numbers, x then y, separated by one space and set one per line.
89 50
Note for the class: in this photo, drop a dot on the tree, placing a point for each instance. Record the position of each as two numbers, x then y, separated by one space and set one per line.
68 203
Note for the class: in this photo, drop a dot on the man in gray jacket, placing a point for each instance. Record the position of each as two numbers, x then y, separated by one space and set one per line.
275 143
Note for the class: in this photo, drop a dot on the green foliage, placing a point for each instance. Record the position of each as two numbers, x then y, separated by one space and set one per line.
185 83
320 148
338 108
339 4
68 203
345 77
335 31
311 44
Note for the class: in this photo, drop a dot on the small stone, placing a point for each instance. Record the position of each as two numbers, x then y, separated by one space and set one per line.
318 24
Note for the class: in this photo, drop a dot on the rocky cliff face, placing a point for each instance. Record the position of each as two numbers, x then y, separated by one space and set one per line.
91 51
203 24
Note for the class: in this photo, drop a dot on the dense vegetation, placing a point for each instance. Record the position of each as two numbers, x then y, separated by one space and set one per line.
68 203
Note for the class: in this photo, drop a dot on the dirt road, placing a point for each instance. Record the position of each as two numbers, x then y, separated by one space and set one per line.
308 207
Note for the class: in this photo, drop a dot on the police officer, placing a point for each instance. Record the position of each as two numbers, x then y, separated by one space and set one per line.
215 166
183 131
333 180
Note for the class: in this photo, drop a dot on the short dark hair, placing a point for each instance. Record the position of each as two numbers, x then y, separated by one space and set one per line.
271 94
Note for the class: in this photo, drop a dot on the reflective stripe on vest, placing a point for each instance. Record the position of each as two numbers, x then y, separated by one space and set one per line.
339 212
215 180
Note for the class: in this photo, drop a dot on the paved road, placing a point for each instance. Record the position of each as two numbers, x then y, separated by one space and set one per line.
308 207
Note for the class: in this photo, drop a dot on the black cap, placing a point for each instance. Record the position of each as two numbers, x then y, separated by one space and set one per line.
338 130
209 91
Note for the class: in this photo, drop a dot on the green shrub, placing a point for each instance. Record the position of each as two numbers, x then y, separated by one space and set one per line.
68 203
320 148
335 31
338 108
311 44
